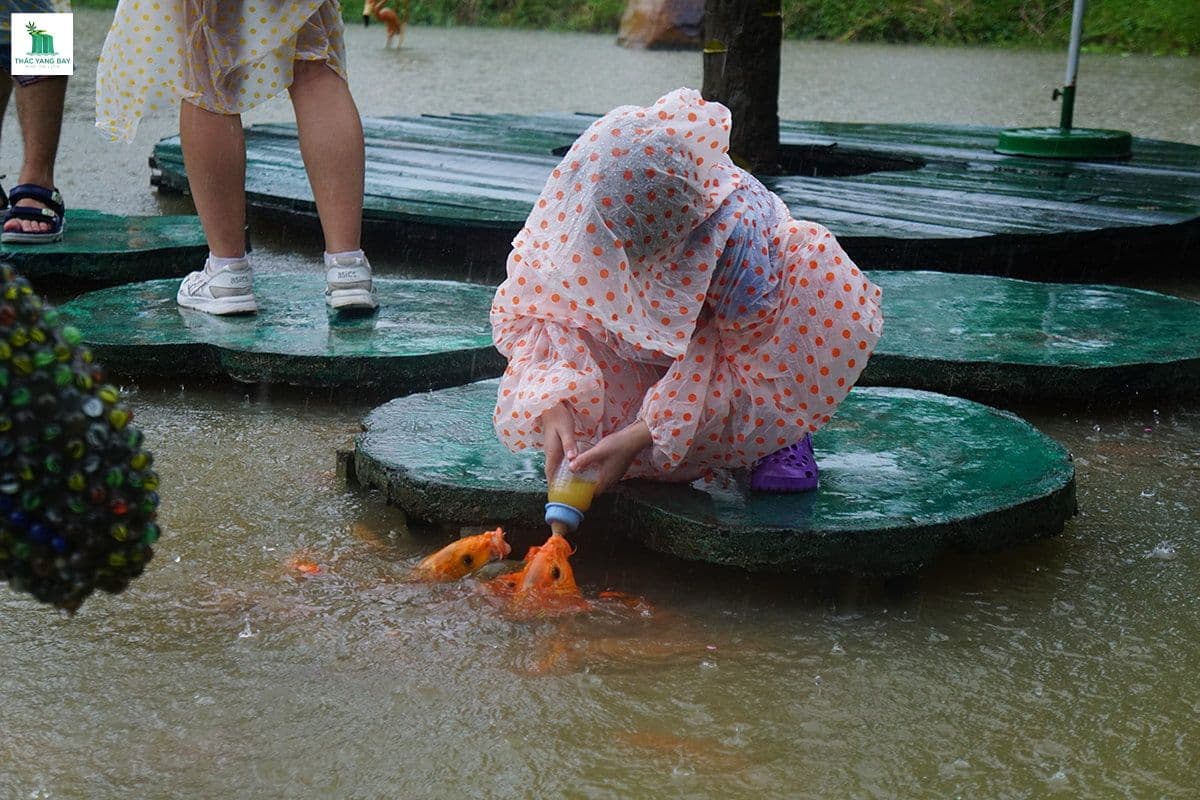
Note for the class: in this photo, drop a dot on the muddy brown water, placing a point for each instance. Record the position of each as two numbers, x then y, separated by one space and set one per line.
1066 669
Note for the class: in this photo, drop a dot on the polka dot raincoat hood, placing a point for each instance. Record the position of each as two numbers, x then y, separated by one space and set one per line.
655 280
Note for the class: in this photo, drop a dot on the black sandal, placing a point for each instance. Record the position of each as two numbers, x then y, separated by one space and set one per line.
52 214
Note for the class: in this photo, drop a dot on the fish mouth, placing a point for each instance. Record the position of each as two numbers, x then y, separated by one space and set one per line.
497 546
550 570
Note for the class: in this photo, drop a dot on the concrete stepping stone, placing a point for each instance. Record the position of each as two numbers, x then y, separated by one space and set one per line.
426 334
898 196
905 475
1008 340
101 248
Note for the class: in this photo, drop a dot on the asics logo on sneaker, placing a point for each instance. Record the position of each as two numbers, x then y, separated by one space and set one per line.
236 279
348 274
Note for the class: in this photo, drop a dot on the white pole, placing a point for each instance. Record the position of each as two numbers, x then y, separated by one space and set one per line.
1076 37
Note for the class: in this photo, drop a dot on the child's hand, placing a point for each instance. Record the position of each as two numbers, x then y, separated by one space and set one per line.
614 453
558 436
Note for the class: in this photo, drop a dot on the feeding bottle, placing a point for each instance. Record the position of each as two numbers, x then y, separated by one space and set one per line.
570 494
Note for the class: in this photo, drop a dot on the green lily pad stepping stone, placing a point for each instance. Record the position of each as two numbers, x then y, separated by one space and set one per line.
897 196
1006 339
905 475
108 248
426 334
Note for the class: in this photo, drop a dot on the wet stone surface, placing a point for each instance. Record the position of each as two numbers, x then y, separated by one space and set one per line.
897 196
101 248
905 475
1008 340
426 334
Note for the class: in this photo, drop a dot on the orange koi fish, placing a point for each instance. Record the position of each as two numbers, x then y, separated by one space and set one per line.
302 563
630 602
546 582
463 557
305 567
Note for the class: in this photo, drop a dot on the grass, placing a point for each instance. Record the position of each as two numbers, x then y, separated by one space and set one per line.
1163 27
1149 26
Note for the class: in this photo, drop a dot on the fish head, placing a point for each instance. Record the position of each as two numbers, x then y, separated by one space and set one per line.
465 556
548 569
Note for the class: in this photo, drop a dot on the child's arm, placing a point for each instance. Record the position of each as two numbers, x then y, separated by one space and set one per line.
552 389
614 453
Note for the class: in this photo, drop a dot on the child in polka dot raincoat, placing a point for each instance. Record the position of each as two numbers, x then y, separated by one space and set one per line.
662 303
219 59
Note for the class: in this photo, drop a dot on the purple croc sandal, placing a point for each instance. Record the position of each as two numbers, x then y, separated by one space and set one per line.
792 469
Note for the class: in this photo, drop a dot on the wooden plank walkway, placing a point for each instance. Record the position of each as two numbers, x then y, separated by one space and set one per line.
905 476
942 199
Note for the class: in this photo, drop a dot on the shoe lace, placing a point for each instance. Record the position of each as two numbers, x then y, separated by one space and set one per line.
193 282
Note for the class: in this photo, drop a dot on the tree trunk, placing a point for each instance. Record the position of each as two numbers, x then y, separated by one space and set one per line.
741 71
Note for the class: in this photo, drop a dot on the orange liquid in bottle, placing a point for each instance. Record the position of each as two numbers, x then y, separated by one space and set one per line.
573 491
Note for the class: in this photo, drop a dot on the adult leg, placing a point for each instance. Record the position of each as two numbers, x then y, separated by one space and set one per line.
214 155
40 112
331 144
6 84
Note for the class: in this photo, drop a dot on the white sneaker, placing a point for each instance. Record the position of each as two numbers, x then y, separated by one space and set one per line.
228 290
348 285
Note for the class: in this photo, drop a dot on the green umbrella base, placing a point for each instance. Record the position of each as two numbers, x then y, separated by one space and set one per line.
1080 144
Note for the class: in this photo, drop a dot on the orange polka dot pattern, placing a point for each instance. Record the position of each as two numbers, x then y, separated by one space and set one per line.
225 57
692 300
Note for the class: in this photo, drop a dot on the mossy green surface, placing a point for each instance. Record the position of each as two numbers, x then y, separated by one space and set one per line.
426 334
104 248
1009 340
905 475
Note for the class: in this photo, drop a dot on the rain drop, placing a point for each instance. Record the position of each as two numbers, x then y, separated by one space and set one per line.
1163 550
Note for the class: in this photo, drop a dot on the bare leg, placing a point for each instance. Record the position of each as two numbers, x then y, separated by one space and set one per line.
40 111
331 144
6 86
214 155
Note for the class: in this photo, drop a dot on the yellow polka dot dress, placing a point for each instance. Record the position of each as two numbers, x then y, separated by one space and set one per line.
225 57
656 281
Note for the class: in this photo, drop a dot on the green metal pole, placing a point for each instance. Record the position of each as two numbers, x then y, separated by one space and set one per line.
1068 107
